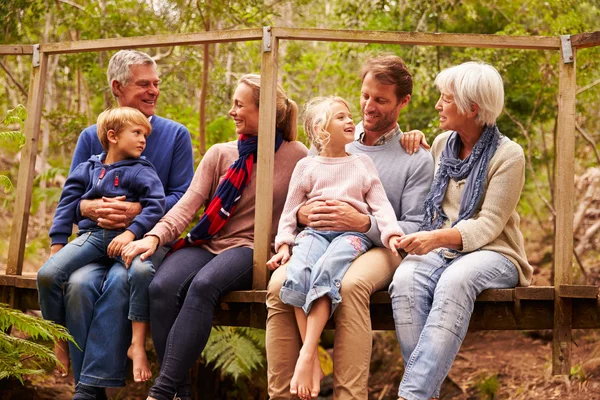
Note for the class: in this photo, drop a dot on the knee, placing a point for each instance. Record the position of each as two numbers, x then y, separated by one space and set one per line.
402 280
274 286
354 290
141 271
46 276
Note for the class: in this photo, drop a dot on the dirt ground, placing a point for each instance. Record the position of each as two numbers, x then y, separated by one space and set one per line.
490 365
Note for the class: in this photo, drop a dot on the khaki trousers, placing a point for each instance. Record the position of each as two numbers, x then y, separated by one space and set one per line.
369 273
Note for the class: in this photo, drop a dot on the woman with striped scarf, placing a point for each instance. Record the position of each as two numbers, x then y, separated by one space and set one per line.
469 240
216 256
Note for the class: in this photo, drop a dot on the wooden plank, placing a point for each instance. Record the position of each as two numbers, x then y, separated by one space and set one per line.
245 296
578 291
495 295
535 293
25 177
182 39
564 195
586 39
264 175
15 49
420 38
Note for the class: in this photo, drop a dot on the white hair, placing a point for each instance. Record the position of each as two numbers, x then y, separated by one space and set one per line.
474 83
119 66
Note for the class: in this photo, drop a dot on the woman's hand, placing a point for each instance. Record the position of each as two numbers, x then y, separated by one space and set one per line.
146 247
115 247
412 140
282 256
420 243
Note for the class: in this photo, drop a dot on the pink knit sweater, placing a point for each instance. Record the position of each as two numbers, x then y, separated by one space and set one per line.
239 230
352 179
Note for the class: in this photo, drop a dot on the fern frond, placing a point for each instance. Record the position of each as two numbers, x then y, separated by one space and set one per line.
16 136
32 326
6 184
235 351
51 173
16 115
26 348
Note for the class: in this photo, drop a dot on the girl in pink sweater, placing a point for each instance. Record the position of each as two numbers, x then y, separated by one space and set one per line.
321 258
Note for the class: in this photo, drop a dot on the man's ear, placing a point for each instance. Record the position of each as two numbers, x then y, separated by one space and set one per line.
115 86
404 101
112 136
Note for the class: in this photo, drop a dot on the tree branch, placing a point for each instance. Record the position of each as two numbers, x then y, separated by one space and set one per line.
12 78
589 139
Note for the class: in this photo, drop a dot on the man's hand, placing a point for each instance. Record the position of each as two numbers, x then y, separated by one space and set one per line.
282 256
55 248
110 213
334 215
412 140
116 246
146 247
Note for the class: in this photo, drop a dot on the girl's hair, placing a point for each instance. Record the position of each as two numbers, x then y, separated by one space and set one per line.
287 110
117 119
318 113
474 83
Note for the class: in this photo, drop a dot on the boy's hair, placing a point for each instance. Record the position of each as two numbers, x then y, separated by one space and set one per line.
117 119
318 113
389 69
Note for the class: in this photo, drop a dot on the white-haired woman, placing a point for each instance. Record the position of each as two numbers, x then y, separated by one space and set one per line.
469 239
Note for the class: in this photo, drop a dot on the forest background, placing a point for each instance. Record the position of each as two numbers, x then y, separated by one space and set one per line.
77 91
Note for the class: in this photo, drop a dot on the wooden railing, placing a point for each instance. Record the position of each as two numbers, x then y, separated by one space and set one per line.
560 307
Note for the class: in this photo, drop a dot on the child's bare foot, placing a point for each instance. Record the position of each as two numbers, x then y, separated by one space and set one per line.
302 381
61 350
141 367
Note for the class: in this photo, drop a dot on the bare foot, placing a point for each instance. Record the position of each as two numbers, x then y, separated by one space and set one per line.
141 368
317 377
61 350
302 380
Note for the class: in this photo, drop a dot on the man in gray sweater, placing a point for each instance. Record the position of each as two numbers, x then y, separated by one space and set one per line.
386 89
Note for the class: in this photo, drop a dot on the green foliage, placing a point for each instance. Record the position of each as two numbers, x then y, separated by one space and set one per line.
578 373
487 386
14 351
237 352
15 116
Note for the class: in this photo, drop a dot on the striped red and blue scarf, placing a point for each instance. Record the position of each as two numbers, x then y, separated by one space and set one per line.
227 195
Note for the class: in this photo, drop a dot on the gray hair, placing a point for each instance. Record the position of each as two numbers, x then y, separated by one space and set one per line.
474 83
119 66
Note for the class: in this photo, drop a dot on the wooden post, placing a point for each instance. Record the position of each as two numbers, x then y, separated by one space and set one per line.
22 207
264 177
564 205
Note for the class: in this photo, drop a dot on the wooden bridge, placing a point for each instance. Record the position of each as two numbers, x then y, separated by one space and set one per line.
561 307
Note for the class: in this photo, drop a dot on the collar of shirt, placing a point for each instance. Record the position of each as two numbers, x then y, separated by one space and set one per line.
383 139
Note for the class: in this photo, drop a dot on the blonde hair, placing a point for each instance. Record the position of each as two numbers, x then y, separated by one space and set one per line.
318 113
474 83
117 119
286 109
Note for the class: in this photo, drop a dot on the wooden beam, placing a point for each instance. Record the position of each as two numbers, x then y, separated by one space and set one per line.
15 49
586 39
187 39
578 291
534 293
263 216
564 206
420 38
25 177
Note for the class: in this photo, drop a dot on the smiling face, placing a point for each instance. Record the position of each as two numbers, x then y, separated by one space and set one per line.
379 106
244 111
141 91
450 118
340 127
129 143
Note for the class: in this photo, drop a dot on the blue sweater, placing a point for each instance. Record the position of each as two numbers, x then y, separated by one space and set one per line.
168 148
134 178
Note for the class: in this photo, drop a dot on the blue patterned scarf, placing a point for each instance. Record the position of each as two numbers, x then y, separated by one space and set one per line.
473 168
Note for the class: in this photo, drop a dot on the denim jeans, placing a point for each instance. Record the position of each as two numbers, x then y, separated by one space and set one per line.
86 248
183 296
432 299
318 263
97 307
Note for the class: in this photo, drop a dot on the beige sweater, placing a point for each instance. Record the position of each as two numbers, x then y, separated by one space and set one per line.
495 224
239 230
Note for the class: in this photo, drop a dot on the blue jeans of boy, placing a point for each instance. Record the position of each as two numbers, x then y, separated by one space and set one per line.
319 261
432 300
88 247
